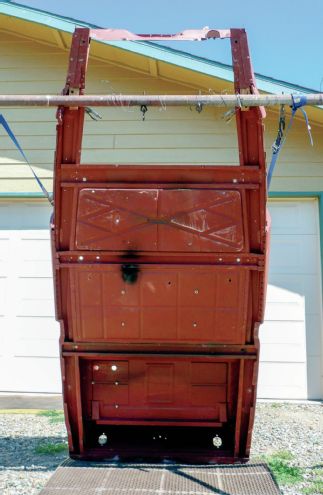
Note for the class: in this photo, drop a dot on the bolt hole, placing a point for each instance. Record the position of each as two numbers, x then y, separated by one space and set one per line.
229 279
169 283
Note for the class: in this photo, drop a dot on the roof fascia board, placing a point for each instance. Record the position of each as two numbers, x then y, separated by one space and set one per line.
163 54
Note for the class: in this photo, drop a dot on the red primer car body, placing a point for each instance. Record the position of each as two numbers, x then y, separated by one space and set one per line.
160 281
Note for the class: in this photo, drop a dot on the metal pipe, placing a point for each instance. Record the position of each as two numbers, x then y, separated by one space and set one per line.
243 100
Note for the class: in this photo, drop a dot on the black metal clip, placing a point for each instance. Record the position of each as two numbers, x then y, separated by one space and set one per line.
143 110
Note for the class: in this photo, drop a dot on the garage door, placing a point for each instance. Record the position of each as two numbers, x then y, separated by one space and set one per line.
292 334
28 330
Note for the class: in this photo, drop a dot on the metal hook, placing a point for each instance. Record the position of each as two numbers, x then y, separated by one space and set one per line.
143 109
93 114
199 107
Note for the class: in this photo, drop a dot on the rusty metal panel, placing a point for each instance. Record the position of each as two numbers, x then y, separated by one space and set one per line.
160 279
156 388
201 220
159 220
116 219
199 304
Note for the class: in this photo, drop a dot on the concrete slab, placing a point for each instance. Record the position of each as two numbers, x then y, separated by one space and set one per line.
31 401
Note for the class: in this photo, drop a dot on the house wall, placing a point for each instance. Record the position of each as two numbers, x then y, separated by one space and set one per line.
168 135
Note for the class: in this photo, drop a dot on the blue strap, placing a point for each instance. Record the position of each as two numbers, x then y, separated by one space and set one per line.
272 166
297 102
13 138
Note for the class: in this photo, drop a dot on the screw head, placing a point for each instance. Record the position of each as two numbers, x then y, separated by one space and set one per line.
102 439
114 367
217 441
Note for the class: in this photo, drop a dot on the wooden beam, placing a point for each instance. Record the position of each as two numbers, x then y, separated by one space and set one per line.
153 67
59 39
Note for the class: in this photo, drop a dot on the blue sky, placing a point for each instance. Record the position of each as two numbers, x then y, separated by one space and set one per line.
285 37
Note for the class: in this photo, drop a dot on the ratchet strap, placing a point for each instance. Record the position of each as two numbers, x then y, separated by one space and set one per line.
13 138
297 103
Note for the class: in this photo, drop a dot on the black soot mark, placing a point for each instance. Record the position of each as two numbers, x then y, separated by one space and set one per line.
130 271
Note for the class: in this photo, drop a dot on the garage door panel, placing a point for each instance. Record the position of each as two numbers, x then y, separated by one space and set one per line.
288 353
293 254
4 252
294 217
3 295
34 234
292 330
28 331
282 287
36 249
39 375
25 215
285 311
282 332
36 269
35 297
32 346
314 369
314 334
2 336
31 307
282 380
277 293
28 328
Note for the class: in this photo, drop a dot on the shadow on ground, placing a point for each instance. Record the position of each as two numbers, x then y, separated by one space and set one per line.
32 453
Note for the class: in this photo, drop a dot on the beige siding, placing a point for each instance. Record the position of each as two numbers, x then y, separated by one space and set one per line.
169 135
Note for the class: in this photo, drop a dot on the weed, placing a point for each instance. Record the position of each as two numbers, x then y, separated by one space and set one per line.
47 448
276 405
20 411
284 455
316 487
54 415
281 468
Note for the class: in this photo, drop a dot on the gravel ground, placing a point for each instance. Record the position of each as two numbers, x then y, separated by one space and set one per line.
297 428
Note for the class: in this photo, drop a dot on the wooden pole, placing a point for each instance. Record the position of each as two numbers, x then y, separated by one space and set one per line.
230 101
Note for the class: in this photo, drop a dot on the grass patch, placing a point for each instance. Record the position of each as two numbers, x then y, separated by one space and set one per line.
51 448
20 411
316 487
276 405
281 468
54 415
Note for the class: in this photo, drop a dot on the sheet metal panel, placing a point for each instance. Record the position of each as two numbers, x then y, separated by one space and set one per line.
160 281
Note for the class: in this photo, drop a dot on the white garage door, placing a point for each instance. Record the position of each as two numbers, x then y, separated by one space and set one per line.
291 336
28 331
